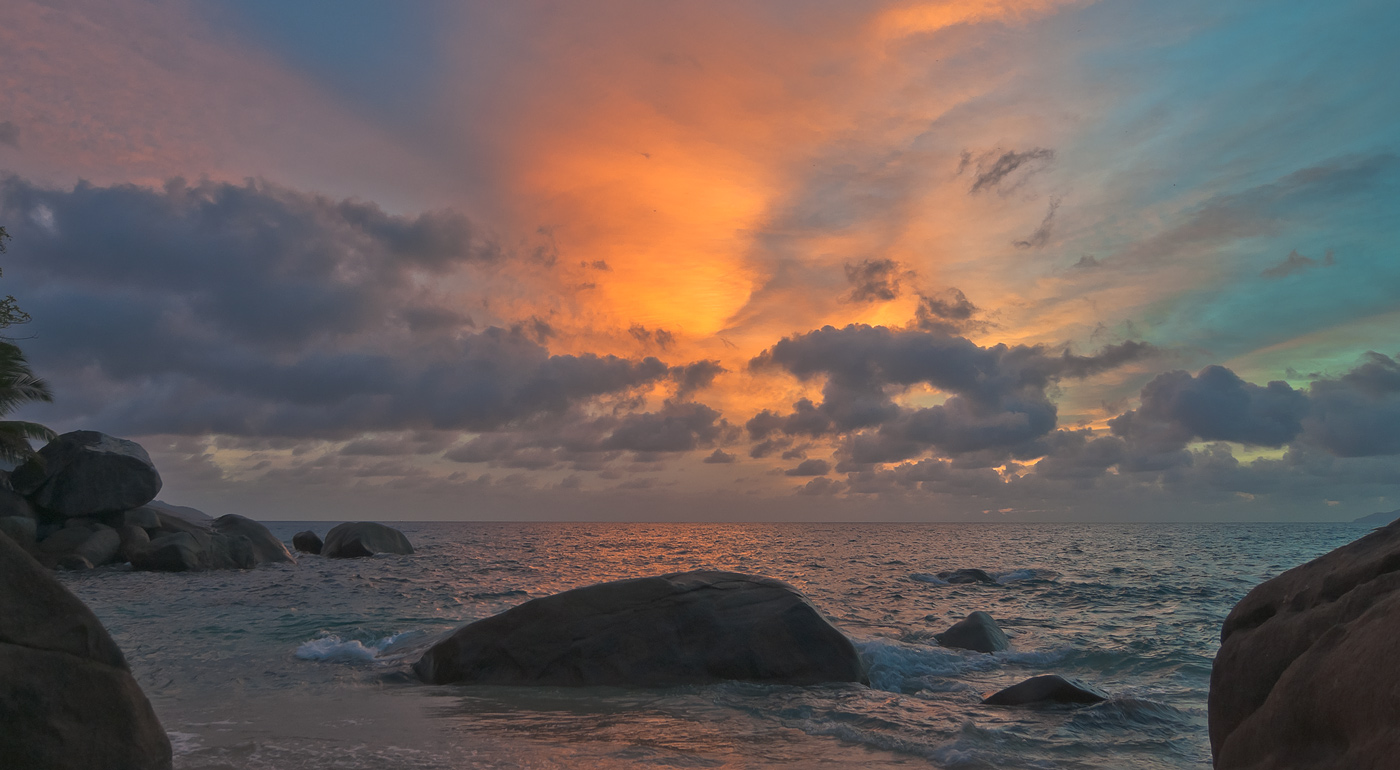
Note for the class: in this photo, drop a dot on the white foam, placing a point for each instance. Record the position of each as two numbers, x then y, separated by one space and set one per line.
333 649
901 667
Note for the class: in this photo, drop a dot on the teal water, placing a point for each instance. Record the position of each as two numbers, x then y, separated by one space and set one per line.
306 666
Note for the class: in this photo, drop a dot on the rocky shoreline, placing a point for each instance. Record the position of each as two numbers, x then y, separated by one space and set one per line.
1301 681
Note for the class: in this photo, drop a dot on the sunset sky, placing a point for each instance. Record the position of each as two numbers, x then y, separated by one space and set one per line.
629 259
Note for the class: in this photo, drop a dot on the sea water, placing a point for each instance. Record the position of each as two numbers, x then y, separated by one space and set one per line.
307 665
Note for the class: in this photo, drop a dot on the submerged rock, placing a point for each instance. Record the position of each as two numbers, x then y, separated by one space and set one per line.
682 628
363 538
958 576
84 473
307 542
1047 689
1305 677
67 699
978 632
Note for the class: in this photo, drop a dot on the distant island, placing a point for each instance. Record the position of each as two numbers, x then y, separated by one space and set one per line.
1378 519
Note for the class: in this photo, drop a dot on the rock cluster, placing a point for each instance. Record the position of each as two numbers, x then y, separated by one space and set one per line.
682 628
1305 677
67 698
87 500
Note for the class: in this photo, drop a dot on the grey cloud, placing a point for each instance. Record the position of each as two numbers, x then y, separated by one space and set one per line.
998 172
660 337
581 440
1216 405
719 457
1297 263
948 311
1041 236
874 280
261 311
9 134
809 468
998 400
694 376
1358 414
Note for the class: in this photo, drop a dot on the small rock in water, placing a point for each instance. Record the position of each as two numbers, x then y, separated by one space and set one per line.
977 632
1051 688
364 538
966 576
307 542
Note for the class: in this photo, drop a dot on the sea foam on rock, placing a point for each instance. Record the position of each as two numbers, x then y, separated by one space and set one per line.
682 628
67 698
364 538
1307 670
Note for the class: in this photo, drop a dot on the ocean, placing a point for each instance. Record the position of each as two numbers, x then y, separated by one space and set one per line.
306 666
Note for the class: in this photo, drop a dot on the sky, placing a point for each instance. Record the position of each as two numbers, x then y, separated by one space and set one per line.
866 260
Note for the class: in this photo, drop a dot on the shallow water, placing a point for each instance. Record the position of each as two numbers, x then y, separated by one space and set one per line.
305 666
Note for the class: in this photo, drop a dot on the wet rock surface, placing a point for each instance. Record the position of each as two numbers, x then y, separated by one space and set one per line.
681 628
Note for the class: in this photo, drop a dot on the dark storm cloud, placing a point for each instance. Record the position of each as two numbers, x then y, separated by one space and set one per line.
261 311
1358 414
1216 405
999 172
874 280
1297 263
997 395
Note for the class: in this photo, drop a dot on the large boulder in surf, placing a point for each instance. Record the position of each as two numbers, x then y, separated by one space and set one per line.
1306 673
307 542
85 473
267 549
67 698
977 632
682 628
363 538
1046 690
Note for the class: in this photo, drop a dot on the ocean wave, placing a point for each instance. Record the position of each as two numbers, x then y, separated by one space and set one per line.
901 667
1029 574
330 648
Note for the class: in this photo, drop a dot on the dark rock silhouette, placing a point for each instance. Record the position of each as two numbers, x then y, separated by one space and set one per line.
966 575
363 538
84 473
978 632
1305 677
307 542
67 698
1047 689
267 549
682 628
